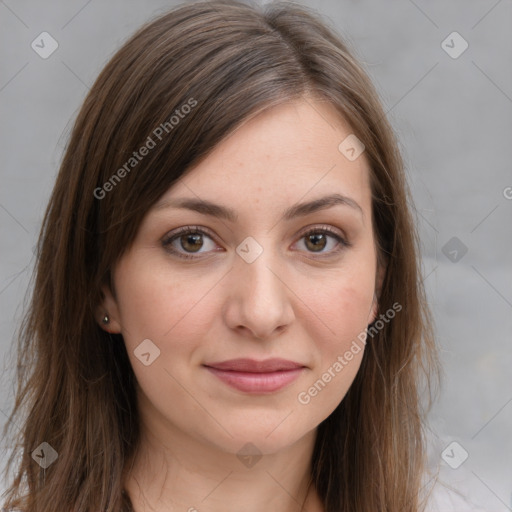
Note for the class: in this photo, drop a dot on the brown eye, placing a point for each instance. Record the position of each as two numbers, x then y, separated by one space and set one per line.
316 241
191 242
186 241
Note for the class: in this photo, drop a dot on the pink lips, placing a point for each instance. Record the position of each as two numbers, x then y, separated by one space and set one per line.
253 376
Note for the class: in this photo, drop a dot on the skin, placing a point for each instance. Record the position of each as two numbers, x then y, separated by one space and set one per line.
291 302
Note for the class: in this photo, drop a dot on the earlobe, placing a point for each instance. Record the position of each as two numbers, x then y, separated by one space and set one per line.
107 313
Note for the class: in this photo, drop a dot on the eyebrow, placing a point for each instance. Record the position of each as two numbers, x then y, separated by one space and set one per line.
298 210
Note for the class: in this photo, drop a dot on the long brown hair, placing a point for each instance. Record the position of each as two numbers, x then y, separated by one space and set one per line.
226 61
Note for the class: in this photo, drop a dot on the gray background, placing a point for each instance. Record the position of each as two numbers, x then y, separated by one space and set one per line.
453 118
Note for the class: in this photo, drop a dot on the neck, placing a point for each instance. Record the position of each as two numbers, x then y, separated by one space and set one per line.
187 474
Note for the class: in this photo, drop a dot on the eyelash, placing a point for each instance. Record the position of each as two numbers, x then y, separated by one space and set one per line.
168 239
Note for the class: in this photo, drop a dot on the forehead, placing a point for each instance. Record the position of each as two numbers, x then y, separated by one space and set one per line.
288 152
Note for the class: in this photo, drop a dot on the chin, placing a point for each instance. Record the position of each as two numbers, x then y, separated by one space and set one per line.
260 438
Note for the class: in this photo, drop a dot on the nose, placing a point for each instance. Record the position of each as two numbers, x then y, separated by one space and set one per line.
258 300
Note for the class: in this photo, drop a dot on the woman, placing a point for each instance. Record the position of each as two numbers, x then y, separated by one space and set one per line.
228 311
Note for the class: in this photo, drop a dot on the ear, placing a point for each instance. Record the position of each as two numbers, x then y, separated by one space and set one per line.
108 307
379 279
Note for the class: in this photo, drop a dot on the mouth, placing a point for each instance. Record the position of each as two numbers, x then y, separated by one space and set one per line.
251 376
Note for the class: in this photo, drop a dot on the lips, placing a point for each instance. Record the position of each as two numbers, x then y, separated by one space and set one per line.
256 377
253 366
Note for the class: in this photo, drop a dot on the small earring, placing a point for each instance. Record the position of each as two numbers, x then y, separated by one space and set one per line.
106 319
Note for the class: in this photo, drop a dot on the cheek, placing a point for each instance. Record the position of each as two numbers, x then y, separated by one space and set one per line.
172 313
338 314
157 304
339 342
345 312
340 307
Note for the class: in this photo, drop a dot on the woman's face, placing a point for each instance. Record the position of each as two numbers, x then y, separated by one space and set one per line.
252 285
